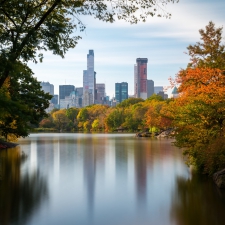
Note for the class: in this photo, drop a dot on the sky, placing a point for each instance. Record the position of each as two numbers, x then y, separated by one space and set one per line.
117 46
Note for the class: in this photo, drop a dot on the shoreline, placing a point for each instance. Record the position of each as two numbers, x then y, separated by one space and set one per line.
6 145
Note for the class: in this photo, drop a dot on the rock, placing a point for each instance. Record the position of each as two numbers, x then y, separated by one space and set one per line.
143 134
219 178
5 145
166 134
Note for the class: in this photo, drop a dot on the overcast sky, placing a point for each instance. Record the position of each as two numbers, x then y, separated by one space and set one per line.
116 47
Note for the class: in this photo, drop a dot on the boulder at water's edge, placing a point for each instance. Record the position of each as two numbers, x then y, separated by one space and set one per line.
219 178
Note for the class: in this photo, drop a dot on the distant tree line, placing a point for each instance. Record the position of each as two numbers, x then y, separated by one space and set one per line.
133 114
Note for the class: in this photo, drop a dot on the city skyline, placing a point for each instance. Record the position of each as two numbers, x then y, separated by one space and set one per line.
163 41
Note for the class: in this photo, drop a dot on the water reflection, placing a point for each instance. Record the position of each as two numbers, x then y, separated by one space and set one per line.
89 168
98 179
21 193
197 201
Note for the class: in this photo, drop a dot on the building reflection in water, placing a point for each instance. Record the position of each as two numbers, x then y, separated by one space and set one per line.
89 170
33 155
141 176
56 157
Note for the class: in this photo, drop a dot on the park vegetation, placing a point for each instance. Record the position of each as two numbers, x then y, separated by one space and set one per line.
29 28
131 115
199 112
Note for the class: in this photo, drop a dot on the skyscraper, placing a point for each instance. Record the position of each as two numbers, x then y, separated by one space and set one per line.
47 88
121 91
100 94
157 89
150 88
140 78
89 80
64 91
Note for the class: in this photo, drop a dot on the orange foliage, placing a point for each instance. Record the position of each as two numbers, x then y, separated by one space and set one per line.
204 83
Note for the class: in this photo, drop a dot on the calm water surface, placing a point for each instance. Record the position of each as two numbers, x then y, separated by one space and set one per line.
103 179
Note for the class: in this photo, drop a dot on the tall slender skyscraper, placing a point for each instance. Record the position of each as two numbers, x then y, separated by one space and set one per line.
140 78
89 80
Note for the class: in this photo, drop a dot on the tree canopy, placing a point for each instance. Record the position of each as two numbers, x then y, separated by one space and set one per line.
210 51
199 115
29 27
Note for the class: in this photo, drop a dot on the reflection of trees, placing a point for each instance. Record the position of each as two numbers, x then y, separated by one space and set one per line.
198 202
20 194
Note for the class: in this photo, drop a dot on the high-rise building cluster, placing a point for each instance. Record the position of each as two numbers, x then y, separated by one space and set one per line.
94 93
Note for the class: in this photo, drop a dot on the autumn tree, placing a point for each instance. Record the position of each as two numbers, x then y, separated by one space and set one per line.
114 119
136 119
97 115
199 113
129 101
210 51
60 119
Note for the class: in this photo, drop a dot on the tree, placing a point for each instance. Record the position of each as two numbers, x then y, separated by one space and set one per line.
199 112
114 119
24 102
130 101
46 123
30 27
200 117
210 52
155 97
60 119
27 28
83 115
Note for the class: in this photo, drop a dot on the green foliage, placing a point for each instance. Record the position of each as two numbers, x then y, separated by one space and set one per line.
27 28
83 115
155 97
72 113
24 102
95 125
115 119
210 52
130 101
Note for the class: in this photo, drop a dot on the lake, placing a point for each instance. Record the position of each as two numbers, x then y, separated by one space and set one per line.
103 179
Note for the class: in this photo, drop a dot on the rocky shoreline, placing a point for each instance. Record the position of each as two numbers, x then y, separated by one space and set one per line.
164 134
5 145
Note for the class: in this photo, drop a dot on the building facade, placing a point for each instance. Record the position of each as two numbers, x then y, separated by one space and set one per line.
100 94
64 91
157 89
47 88
140 78
79 93
121 91
150 88
89 80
